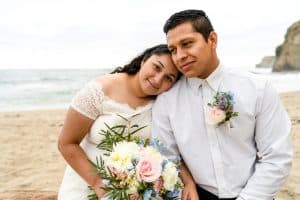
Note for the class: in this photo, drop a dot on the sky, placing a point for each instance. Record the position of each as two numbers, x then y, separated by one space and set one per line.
50 34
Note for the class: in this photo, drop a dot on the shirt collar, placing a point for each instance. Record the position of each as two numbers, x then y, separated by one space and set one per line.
195 83
213 80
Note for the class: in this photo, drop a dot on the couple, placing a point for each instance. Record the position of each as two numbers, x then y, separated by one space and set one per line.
244 154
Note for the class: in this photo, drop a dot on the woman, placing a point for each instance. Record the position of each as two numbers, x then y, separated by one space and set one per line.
129 92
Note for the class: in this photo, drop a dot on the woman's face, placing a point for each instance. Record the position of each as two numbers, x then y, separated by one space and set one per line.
157 74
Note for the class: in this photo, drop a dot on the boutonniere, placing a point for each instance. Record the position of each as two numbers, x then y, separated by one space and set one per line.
221 109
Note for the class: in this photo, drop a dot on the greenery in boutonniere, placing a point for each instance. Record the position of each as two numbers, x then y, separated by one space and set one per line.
221 109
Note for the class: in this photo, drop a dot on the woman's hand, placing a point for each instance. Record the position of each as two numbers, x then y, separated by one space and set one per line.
190 192
98 189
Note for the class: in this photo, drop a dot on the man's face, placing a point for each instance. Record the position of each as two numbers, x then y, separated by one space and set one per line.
192 55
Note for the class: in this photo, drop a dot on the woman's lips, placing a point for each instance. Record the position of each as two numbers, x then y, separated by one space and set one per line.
153 85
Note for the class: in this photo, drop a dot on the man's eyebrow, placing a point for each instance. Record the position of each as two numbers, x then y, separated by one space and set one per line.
185 39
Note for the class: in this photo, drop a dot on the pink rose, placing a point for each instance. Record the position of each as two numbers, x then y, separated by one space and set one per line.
148 169
134 197
215 116
158 185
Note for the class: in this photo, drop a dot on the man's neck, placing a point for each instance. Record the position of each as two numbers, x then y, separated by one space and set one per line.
214 65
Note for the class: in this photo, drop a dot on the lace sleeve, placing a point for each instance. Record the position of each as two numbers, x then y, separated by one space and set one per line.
88 100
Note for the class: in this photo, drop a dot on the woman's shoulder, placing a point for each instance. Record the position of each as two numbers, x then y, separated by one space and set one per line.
106 82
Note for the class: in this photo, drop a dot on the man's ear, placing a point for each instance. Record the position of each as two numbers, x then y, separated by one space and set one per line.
213 39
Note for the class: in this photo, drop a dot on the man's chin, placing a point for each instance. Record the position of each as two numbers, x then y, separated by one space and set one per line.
189 74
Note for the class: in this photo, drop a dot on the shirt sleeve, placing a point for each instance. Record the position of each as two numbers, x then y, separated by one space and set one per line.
161 128
273 141
88 100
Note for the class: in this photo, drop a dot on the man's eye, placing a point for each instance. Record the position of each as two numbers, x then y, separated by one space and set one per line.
186 44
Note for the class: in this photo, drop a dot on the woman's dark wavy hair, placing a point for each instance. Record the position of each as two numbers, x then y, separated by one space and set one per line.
198 19
134 65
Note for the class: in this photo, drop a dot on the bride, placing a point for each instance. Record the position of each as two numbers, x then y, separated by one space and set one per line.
129 92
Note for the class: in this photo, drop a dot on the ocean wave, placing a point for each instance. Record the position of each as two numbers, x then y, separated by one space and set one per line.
56 88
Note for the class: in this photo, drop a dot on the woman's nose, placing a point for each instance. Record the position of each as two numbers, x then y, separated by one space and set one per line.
158 78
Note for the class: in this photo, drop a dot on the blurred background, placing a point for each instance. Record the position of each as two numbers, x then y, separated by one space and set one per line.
49 49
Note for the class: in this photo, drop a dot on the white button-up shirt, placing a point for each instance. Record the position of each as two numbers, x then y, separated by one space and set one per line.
248 157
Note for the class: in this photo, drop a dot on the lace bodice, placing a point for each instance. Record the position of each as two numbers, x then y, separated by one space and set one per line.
91 102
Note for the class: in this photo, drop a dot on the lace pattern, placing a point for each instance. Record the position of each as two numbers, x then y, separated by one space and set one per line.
88 100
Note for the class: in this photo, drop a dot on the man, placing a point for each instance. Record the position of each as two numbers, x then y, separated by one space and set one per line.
230 129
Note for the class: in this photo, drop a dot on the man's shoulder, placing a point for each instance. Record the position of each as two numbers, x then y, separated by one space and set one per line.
174 91
244 78
177 87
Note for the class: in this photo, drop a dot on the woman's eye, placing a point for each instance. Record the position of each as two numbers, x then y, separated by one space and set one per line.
169 79
156 67
172 51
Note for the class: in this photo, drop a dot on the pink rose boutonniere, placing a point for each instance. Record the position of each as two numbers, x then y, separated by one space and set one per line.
221 109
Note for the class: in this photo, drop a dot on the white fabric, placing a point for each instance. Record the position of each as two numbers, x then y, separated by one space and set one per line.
223 159
92 102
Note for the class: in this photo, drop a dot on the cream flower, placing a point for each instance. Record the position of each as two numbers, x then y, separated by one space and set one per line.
150 151
170 176
216 116
122 156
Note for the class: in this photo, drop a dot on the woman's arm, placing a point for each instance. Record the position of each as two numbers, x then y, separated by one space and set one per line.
75 128
189 190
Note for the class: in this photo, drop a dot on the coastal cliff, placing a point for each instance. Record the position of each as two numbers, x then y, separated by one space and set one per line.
288 54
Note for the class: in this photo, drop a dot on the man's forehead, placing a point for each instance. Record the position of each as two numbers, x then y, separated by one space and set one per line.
174 39
181 31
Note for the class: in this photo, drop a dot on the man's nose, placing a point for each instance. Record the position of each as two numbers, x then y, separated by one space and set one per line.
181 54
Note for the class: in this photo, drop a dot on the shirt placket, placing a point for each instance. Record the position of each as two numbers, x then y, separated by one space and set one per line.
207 96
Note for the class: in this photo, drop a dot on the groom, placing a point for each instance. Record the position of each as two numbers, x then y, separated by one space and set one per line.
230 129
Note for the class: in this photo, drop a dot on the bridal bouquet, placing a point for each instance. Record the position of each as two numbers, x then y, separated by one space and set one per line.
135 168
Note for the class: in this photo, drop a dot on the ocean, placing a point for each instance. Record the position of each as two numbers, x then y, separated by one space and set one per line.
30 89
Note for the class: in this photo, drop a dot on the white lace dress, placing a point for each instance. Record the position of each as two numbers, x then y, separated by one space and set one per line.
92 102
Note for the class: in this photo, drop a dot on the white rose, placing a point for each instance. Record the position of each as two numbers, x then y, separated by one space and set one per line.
122 156
154 153
215 116
170 176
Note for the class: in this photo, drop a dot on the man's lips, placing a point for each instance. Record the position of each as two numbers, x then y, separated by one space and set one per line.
186 65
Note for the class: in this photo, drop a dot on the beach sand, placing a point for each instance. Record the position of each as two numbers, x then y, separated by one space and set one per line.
32 168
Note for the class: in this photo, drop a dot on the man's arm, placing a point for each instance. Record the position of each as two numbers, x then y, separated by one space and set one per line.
162 130
272 137
161 127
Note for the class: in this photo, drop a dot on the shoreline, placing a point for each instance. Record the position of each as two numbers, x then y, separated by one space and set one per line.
65 106
32 168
